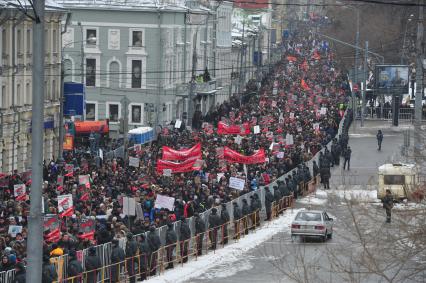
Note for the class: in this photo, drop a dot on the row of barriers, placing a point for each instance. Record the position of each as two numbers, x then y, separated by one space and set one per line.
145 265
104 251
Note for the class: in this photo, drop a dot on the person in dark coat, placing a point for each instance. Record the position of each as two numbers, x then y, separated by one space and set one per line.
224 217
117 258
269 199
214 223
315 169
171 239
131 262
325 177
200 229
92 264
237 217
19 273
388 205
144 257
185 235
154 244
347 155
379 137
49 274
245 211
253 208
277 198
74 267
259 208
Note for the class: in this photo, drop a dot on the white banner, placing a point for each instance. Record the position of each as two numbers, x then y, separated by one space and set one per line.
323 110
164 202
237 183
280 155
64 202
134 162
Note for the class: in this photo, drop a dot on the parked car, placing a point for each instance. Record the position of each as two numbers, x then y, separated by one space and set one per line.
312 223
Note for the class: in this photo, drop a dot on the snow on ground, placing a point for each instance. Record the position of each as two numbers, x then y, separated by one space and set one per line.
409 205
359 194
317 198
230 254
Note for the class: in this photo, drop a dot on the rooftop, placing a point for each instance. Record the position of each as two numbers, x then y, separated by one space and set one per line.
50 4
121 4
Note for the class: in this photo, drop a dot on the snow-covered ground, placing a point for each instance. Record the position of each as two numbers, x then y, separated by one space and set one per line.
230 254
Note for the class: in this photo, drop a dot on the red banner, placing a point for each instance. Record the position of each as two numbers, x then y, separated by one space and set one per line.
304 85
172 154
235 157
225 129
188 165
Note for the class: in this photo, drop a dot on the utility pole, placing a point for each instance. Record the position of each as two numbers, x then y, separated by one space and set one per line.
193 82
82 55
364 89
242 50
35 224
206 33
61 114
356 58
125 106
419 84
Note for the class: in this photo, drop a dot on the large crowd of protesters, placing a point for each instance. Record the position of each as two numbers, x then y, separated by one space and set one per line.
303 96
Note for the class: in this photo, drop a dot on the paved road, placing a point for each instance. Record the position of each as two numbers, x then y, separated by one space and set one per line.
279 258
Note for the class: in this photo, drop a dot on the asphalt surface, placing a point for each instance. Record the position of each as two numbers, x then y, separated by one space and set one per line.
282 260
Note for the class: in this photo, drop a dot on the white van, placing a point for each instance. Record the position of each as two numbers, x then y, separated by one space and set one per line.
400 179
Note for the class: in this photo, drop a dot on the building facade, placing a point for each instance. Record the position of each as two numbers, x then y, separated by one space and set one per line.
16 36
145 52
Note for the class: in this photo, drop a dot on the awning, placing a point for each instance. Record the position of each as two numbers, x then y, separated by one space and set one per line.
86 127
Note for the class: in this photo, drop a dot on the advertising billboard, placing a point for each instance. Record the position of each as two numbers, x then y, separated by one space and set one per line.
392 77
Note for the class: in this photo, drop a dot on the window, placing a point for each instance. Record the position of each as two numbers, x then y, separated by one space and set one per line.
113 112
53 90
4 41
90 111
27 94
90 72
136 111
137 38
3 96
394 179
54 41
91 37
29 42
18 95
136 73
308 216
114 79
19 41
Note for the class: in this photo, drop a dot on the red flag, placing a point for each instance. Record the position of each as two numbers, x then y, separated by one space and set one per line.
53 236
291 58
60 188
225 129
316 55
85 196
21 197
68 212
89 235
70 174
304 85
29 182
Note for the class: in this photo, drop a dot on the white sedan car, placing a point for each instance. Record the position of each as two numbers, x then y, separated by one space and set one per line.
313 223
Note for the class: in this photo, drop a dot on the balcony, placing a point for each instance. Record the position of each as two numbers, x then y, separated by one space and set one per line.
204 88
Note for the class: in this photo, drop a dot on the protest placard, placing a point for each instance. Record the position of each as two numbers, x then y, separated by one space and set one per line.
134 162
237 183
164 202
14 229
178 124
129 206
64 202
256 129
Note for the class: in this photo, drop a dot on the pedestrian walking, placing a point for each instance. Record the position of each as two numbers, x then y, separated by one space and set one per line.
388 205
379 137
117 259
171 239
347 156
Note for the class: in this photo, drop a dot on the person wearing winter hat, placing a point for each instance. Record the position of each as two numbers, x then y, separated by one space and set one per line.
20 273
